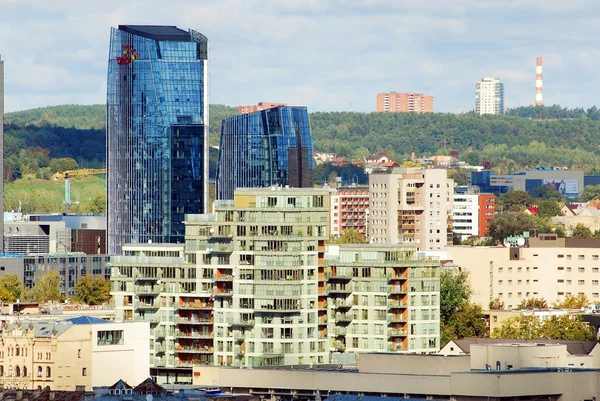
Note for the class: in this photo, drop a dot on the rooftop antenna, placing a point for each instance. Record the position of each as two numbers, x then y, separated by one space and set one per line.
349 105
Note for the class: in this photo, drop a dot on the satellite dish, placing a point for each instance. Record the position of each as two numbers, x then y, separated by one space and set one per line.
149 397
212 231
520 241
158 282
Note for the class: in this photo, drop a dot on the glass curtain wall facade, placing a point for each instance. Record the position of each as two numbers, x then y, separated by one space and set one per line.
157 133
265 148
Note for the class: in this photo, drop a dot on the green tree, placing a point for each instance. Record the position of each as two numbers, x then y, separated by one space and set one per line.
521 326
459 177
92 290
98 204
496 304
590 192
548 208
351 236
11 288
565 327
62 164
508 224
332 179
547 192
573 302
454 291
515 200
559 230
472 159
533 303
468 321
47 287
581 231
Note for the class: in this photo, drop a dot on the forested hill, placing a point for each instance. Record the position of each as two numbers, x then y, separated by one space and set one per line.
524 137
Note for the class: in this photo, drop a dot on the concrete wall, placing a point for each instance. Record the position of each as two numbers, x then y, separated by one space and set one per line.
132 357
72 357
412 364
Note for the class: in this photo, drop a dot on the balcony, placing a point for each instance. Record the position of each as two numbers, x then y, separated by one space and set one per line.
339 346
396 304
225 277
194 334
194 320
159 348
397 289
143 290
239 336
397 333
339 275
397 318
160 362
224 292
395 347
148 318
193 350
147 306
159 333
338 289
241 322
344 317
343 303
195 306
339 331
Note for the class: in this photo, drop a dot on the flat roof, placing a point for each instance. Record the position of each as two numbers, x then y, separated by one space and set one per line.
157 32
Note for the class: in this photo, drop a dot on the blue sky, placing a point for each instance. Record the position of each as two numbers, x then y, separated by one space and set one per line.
320 53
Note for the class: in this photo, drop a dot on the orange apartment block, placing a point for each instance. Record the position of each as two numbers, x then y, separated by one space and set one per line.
260 106
394 102
349 209
487 213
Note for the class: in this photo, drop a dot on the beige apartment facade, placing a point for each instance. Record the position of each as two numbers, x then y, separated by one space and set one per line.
394 102
349 209
63 355
548 268
411 206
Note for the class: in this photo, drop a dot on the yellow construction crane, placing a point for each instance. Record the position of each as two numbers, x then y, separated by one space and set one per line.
75 173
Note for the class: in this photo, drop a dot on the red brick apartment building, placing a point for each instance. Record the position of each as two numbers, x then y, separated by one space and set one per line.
260 106
349 209
394 102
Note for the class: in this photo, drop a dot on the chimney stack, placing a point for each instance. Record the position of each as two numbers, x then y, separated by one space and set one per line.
538 82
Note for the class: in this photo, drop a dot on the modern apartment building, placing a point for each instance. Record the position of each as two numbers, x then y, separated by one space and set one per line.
265 148
259 107
349 208
157 133
489 96
472 214
549 268
411 206
394 102
72 353
382 298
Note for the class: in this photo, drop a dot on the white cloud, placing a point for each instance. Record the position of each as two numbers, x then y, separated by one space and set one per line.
321 53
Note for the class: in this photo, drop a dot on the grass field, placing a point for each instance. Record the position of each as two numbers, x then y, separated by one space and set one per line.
37 195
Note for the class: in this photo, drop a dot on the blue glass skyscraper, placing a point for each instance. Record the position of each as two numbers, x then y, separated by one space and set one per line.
265 148
157 133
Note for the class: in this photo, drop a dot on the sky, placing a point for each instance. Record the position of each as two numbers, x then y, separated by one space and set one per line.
328 55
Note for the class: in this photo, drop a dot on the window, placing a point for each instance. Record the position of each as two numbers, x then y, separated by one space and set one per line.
594 257
580 282
24 371
594 270
581 257
594 282
78 353
48 371
110 337
84 372
581 270
39 371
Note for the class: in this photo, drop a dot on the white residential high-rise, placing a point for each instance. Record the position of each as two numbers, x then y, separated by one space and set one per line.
489 96
411 206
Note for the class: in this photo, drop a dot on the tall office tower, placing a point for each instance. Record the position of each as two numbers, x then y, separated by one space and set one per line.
265 148
265 250
411 206
404 102
382 298
2 154
157 133
539 101
489 96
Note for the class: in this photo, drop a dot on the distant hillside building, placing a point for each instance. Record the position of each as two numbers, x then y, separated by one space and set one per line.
394 102
489 96
472 214
259 107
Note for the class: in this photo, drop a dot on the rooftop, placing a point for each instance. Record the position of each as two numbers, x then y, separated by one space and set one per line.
157 32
